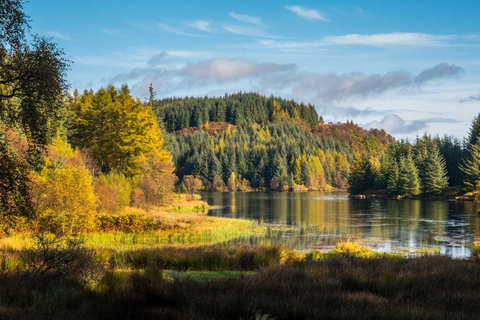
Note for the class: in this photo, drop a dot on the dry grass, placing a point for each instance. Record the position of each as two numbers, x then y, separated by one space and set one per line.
338 287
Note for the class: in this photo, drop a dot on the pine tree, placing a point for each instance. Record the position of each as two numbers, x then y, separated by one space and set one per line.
471 167
408 181
436 180
392 182
362 177
474 133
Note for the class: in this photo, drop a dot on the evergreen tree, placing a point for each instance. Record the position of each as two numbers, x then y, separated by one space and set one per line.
362 177
474 133
393 180
471 167
408 180
436 180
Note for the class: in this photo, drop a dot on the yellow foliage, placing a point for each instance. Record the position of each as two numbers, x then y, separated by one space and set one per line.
117 129
113 192
65 200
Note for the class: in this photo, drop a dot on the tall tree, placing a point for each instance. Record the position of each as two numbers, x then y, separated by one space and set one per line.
408 180
393 179
32 76
471 167
435 177
474 133
116 129
362 176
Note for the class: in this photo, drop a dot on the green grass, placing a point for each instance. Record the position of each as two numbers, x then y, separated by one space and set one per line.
173 275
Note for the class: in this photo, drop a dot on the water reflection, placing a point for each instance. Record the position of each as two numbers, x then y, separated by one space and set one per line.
322 218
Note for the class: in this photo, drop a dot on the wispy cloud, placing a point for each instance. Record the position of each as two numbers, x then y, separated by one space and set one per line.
392 39
307 13
57 34
248 31
246 18
201 25
111 31
471 98
394 124
167 28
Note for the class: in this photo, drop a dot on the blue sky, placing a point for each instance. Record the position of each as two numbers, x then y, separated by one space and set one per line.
407 66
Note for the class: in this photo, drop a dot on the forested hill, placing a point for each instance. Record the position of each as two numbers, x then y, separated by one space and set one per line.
247 141
240 108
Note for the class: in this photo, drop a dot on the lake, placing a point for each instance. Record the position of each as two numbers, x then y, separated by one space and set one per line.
319 219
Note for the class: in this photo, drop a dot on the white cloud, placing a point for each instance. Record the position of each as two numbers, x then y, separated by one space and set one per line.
167 28
306 13
395 125
392 39
57 34
246 18
248 31
222 69
201 25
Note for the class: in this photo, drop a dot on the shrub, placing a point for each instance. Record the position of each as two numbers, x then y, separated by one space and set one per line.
113 192
54 254
65 200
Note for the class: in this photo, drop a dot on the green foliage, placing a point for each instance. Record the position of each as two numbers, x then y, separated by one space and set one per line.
241 108
474 133
435 180
14 181
410 169
408 180
471 167
362 176
32 77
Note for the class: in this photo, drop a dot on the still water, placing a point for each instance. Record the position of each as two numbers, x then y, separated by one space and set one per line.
318 219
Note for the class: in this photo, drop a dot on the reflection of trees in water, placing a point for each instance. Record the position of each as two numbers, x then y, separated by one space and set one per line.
321 218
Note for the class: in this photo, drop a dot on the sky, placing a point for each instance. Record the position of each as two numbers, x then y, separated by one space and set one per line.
409 67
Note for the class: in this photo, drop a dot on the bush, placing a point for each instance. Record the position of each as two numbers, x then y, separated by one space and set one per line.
59 255
113 192
65 201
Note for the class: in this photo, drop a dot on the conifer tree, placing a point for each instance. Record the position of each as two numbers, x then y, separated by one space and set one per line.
474 133
471 167
408 181
436 180
392 182
361 177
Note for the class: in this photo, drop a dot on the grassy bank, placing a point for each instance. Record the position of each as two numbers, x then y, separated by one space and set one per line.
221 282
183 222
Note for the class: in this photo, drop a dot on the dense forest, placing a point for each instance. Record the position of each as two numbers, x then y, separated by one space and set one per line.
246 141
428 166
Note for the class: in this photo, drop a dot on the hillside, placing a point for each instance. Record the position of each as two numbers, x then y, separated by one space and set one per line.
246 141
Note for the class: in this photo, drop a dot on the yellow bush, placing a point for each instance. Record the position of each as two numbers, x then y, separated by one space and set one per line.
65 200
352 248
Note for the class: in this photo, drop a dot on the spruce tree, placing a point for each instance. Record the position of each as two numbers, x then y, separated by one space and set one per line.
474 133
471 167
362 177
408 181
392 182
436 180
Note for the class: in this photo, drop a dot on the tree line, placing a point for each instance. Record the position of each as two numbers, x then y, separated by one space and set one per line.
237 109
428 166
275 149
